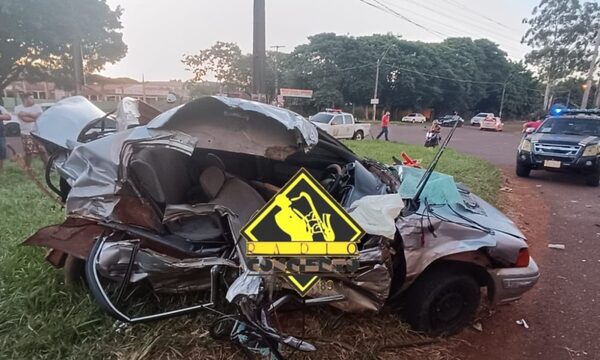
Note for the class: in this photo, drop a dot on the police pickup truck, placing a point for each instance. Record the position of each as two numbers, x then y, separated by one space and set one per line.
340 125
568 140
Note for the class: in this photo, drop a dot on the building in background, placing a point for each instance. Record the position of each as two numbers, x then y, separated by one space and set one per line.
109 91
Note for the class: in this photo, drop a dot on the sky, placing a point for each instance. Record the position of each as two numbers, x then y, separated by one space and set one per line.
159 32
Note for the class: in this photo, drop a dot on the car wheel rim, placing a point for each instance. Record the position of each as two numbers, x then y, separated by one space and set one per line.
448 308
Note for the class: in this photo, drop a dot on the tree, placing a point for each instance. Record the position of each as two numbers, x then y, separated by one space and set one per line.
225 62
37 37
560 35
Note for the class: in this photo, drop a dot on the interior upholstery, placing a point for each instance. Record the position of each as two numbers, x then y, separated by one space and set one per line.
234 193
212 180
163 174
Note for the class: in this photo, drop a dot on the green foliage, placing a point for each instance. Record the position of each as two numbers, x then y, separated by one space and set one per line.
560 34
225 62
36 37
458 74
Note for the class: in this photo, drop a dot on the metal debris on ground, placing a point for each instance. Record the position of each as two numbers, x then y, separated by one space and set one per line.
556 246
523 323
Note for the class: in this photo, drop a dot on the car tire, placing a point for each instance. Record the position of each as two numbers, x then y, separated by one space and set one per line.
593 179
358 135
523 170
442 301
74 271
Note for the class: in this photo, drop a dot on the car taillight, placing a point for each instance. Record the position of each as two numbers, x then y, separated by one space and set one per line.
523 258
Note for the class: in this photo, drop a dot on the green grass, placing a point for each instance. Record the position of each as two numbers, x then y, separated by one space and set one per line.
40 318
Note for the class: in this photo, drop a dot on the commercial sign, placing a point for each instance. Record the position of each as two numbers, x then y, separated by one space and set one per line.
301 233
301 93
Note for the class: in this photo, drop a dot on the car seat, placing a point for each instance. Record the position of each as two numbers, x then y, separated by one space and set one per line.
231 192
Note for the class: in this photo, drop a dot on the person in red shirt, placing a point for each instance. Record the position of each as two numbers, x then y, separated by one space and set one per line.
532 124
385 122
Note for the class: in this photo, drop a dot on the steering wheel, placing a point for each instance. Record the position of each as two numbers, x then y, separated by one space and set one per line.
332 178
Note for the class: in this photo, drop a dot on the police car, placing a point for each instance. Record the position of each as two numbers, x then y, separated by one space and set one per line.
568 141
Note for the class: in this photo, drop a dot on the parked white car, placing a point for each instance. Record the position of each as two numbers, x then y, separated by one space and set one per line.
478 119
340 125
414 118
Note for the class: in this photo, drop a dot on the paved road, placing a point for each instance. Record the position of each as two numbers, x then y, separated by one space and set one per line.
563 311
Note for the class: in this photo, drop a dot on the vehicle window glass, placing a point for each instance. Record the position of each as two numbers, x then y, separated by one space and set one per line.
411 115
337 120
348 119
571 126
322 118
481 115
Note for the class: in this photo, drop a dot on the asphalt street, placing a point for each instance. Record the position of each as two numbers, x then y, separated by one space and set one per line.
563 311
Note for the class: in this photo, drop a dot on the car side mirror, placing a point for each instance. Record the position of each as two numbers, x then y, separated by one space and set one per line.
529 130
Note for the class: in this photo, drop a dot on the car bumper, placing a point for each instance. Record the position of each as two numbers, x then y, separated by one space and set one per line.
587 164
510 284
488 126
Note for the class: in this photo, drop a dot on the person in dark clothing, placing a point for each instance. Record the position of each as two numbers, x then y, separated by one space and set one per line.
4 116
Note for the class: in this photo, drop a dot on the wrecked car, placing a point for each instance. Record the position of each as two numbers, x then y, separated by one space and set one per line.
154 214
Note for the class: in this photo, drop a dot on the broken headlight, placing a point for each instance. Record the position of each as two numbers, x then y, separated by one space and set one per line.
591 150
525 145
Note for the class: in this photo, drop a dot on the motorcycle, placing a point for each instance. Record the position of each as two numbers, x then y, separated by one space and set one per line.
432 139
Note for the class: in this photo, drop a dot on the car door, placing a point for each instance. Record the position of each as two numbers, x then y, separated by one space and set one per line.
336 125
348 127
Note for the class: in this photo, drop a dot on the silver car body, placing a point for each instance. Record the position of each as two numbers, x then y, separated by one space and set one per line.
465 228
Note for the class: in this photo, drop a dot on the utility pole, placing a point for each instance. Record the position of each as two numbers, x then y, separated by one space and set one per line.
590 75
277 47
502 100
375 93
377 80
258 53
143 88
77 66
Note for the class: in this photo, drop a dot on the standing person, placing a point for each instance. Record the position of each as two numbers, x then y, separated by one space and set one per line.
4 116
385 122
28 113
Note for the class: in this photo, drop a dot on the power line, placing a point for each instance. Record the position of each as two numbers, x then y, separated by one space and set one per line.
386 9
356 67
466 8
395 67
436 11
458 30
